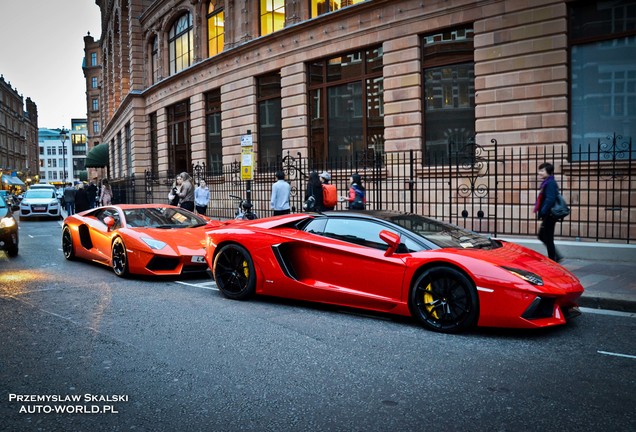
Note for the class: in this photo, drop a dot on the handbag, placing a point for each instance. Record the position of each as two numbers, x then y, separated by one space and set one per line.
560 208
310 204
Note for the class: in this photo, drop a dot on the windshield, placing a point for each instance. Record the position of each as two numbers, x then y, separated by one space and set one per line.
162 217
39 193
442 234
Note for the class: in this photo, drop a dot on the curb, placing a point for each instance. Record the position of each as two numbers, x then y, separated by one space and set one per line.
595 302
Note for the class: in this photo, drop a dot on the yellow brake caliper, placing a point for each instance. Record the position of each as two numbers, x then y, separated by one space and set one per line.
246 269
428 301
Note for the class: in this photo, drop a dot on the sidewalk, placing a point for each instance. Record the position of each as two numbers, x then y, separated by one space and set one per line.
606 271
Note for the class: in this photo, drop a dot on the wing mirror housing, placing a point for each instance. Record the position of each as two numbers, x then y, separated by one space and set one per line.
392 240
110 222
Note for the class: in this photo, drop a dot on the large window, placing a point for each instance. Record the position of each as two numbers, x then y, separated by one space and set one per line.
154 146
216 27
270 140
179 155
347 105
319 7
213 132
93 59
602 38
154 59
449 96
272 16
181 44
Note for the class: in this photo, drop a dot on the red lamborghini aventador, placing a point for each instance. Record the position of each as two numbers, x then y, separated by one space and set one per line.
448 278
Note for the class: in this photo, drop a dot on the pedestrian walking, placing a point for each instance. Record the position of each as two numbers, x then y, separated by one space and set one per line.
81 199
185 191
313 193
279 201
91 191
69 199
106 194
329 192
357 193
548 193
201 197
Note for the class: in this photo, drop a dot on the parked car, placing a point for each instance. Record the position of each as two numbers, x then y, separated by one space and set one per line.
151 239
40 202
447 278
9 237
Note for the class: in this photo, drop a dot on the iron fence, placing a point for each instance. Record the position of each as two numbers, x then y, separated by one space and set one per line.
488 189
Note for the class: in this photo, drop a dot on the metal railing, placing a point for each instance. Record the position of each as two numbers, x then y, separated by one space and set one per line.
487 189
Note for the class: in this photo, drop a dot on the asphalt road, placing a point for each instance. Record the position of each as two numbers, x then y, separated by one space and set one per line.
174 355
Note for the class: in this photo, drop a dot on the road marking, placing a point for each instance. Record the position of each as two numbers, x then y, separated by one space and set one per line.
616 354
43 235
608 312
204 285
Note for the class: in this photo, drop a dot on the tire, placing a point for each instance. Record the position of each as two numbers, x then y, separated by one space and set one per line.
67 244
12 252
119 258
444 299
234 273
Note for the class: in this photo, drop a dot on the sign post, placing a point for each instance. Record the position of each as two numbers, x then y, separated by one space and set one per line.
247 163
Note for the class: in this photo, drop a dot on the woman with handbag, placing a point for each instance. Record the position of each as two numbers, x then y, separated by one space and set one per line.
313 194
548 193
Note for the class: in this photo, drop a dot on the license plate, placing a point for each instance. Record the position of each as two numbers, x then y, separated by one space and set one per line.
198 259
39 208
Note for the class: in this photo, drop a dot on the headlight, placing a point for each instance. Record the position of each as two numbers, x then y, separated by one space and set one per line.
154 244
7 222
53 203
527 276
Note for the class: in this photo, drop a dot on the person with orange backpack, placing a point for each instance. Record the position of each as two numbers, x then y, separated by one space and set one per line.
329 192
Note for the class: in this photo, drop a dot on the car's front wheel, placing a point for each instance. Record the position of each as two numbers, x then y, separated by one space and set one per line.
13 251
119 258
444 299
67 244
234 273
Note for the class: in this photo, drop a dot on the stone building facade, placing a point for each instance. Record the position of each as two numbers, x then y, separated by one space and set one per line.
183 80
18 133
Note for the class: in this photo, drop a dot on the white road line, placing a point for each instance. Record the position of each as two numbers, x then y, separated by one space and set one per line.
206 285
43 235
608 312
616 354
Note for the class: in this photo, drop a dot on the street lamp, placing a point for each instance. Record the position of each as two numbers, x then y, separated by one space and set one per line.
63 140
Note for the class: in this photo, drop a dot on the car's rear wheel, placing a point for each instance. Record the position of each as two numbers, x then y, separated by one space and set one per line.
445 300
119 258
67 244
234 273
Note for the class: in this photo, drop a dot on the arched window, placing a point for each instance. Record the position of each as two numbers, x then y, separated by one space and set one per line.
216 27
181 44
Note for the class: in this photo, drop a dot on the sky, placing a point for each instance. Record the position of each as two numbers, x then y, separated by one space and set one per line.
41 54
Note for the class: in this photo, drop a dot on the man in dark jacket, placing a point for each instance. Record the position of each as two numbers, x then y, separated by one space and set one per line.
91 191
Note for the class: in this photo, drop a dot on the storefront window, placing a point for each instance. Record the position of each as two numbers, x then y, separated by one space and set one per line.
602 79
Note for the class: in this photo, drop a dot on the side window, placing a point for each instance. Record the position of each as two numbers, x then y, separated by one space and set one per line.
103 214
316 226
361 232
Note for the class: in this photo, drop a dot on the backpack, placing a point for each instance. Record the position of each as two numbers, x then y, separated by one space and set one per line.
329 195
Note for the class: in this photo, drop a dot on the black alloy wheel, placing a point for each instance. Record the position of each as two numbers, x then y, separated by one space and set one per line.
444 299
67 244
234 273
119 258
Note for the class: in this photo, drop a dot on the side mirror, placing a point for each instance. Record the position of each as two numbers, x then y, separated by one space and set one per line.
392 240
110 222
